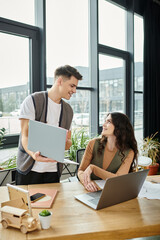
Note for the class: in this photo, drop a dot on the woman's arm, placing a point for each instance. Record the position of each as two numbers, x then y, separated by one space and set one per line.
87 157
124 168
84 169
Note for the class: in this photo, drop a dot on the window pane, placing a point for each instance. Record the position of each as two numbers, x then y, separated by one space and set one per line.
138 52
111 85
18 10
67 36
138 57
138 120
81 109
14 79
112 25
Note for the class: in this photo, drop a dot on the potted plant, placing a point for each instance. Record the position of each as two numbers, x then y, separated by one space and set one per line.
9 163
80 139
2 133
150 147
8 167
45 219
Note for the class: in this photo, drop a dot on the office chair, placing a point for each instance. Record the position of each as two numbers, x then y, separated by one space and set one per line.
79 156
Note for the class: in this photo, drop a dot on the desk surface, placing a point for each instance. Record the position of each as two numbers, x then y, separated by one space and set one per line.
74 220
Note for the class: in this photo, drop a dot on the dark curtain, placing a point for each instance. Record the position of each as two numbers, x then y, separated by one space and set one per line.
151 68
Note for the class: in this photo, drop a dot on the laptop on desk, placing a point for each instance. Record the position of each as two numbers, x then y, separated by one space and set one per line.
116 190
48 139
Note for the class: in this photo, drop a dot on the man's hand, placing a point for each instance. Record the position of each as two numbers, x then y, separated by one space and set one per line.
37 157
68 140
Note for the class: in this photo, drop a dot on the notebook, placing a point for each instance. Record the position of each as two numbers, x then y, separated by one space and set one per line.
116 190
45 202
48 139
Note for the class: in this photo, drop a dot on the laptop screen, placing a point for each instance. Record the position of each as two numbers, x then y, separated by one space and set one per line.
47 139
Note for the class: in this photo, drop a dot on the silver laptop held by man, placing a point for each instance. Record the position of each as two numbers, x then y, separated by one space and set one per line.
48 139
116 190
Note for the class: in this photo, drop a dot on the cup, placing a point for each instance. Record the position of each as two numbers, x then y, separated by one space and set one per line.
45 221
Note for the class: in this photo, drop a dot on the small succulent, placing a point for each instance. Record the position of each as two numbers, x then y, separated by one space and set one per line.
44 213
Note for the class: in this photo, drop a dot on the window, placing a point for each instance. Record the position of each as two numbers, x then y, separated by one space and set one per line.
96 37
19 73
18 10
138 77
112 25
14 79
111 85
116 91
80 104
67 36
67 43
113 59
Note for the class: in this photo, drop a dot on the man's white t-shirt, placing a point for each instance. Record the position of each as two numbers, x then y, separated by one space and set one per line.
53 114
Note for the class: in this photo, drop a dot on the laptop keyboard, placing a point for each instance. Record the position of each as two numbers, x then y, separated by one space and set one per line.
94 201
95 197
95 194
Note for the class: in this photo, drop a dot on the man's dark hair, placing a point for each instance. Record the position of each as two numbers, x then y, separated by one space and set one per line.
67 71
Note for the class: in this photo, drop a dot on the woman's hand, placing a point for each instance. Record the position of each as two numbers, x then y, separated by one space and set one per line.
87 175
88 184
37 157
91 187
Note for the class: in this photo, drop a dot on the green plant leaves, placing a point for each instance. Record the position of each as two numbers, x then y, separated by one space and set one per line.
9 163
150 147
44 213
2 133
80 139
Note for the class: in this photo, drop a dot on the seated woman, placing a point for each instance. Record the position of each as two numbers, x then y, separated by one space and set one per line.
114 154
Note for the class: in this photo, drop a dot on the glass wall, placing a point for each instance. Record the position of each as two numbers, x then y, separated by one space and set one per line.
67 36
112 25
18 10
138 77
80 103
114 84
111 85
14 79
112 65
67 43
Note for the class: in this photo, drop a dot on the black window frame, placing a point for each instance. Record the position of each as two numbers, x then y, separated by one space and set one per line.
113 52
127 55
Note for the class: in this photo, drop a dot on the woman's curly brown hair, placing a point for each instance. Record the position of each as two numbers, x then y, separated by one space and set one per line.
124 133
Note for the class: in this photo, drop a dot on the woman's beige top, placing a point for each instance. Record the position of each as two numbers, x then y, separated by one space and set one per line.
108 157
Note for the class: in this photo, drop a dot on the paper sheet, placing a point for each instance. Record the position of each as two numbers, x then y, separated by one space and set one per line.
100 183
70 162
150 190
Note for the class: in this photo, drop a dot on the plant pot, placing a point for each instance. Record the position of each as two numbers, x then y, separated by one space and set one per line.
153 169
45 221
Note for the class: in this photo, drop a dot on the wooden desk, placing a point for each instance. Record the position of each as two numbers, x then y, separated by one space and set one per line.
73 220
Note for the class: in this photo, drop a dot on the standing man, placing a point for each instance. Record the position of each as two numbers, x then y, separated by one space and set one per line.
47 107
